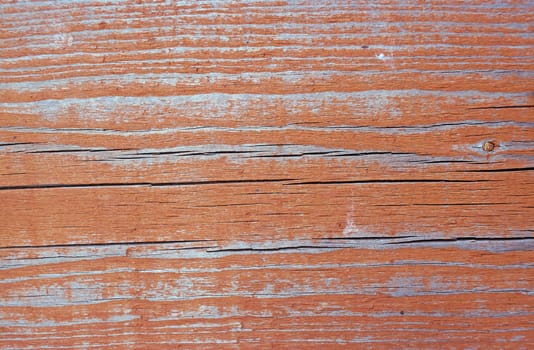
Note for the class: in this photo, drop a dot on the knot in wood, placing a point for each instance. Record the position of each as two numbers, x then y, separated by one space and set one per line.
488 146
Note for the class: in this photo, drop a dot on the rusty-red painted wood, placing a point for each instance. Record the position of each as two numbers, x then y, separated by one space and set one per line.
266 174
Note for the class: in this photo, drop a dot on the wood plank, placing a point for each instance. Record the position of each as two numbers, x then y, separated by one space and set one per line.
187 293
266 174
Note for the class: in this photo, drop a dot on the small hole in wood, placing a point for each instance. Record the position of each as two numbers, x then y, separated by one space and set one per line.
402 312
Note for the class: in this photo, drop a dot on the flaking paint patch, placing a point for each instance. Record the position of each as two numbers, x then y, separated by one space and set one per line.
403 286
202 311
63 40
381 57
200 106
21 322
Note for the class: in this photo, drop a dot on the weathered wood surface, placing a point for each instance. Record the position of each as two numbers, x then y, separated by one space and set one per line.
266 174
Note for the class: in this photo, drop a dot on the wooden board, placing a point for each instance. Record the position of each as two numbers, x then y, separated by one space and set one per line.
266 174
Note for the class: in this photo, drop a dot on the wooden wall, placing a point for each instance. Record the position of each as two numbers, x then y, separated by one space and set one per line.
266 174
